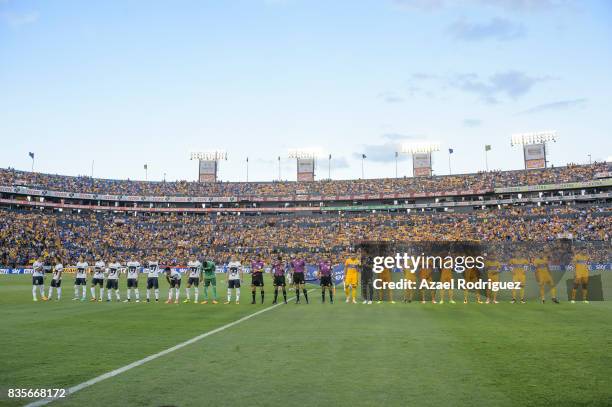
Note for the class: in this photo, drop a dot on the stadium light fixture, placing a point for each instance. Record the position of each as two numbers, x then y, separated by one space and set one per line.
522 139
211 155
301 153
418 147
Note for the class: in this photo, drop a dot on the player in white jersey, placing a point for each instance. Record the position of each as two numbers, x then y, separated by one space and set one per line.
37 279
81 279
234 277
195 270
132 280
152 280
112 280
98 279
56 280
174 279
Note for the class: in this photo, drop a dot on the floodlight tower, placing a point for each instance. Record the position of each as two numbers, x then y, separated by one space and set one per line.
534 147
421 156
208 164
305 159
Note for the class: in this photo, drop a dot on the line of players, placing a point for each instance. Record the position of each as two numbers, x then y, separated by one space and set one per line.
106 276
294 271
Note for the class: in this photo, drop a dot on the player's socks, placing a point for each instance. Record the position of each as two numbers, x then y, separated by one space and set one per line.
331 296
214 292
305 295
84 292
50 292
229 294
34 292
157 294
148 294
275 296
76 291
297 293
584 294
129 291
187 294
41 288
196 294
108 295
346 291
59 293
322 296
93 292
237 295
178 293
137 294
117 295
262 296
253 293
285 295
101 293
354 294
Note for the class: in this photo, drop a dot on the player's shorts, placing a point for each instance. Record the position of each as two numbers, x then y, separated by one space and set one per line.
233 284
298 278
410 276
38 280
152 282
386 275
326 281
80 281
493 276
257 280
446 275
56 283
518 276
112 284
544 277
97 281
425 275
472 275
210 281
175 283
132 283
279 281
581 277
350 278
193 281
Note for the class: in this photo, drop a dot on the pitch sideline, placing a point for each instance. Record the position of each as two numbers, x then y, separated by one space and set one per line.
113 373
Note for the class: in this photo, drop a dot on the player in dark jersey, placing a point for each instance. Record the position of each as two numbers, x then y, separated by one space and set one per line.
278 272
325 275
257 270
298 267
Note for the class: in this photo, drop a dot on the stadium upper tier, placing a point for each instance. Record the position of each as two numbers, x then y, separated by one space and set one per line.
456 184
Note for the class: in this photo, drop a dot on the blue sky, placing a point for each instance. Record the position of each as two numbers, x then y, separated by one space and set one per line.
132 82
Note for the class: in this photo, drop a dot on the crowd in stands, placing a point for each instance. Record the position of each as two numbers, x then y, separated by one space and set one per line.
482 180
173 239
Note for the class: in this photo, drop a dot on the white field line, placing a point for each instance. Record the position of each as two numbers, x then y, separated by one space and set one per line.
113 373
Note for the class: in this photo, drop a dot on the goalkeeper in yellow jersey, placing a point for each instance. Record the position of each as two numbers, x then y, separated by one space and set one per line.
519 266
351 277
581 274
543 277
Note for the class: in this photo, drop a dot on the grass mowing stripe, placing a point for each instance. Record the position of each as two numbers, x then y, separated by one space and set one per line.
141 362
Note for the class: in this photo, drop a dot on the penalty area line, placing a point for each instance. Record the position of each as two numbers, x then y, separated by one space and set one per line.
113 373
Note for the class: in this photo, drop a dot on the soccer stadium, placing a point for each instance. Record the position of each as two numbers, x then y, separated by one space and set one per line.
196 265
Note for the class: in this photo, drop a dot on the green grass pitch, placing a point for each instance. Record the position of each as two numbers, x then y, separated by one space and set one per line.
317 354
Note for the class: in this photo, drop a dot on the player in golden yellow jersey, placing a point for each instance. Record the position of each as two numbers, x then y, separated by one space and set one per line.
543 277
385 277
472 275
425 274
351 276
446 276
581 274
493 267
519 266
412 277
